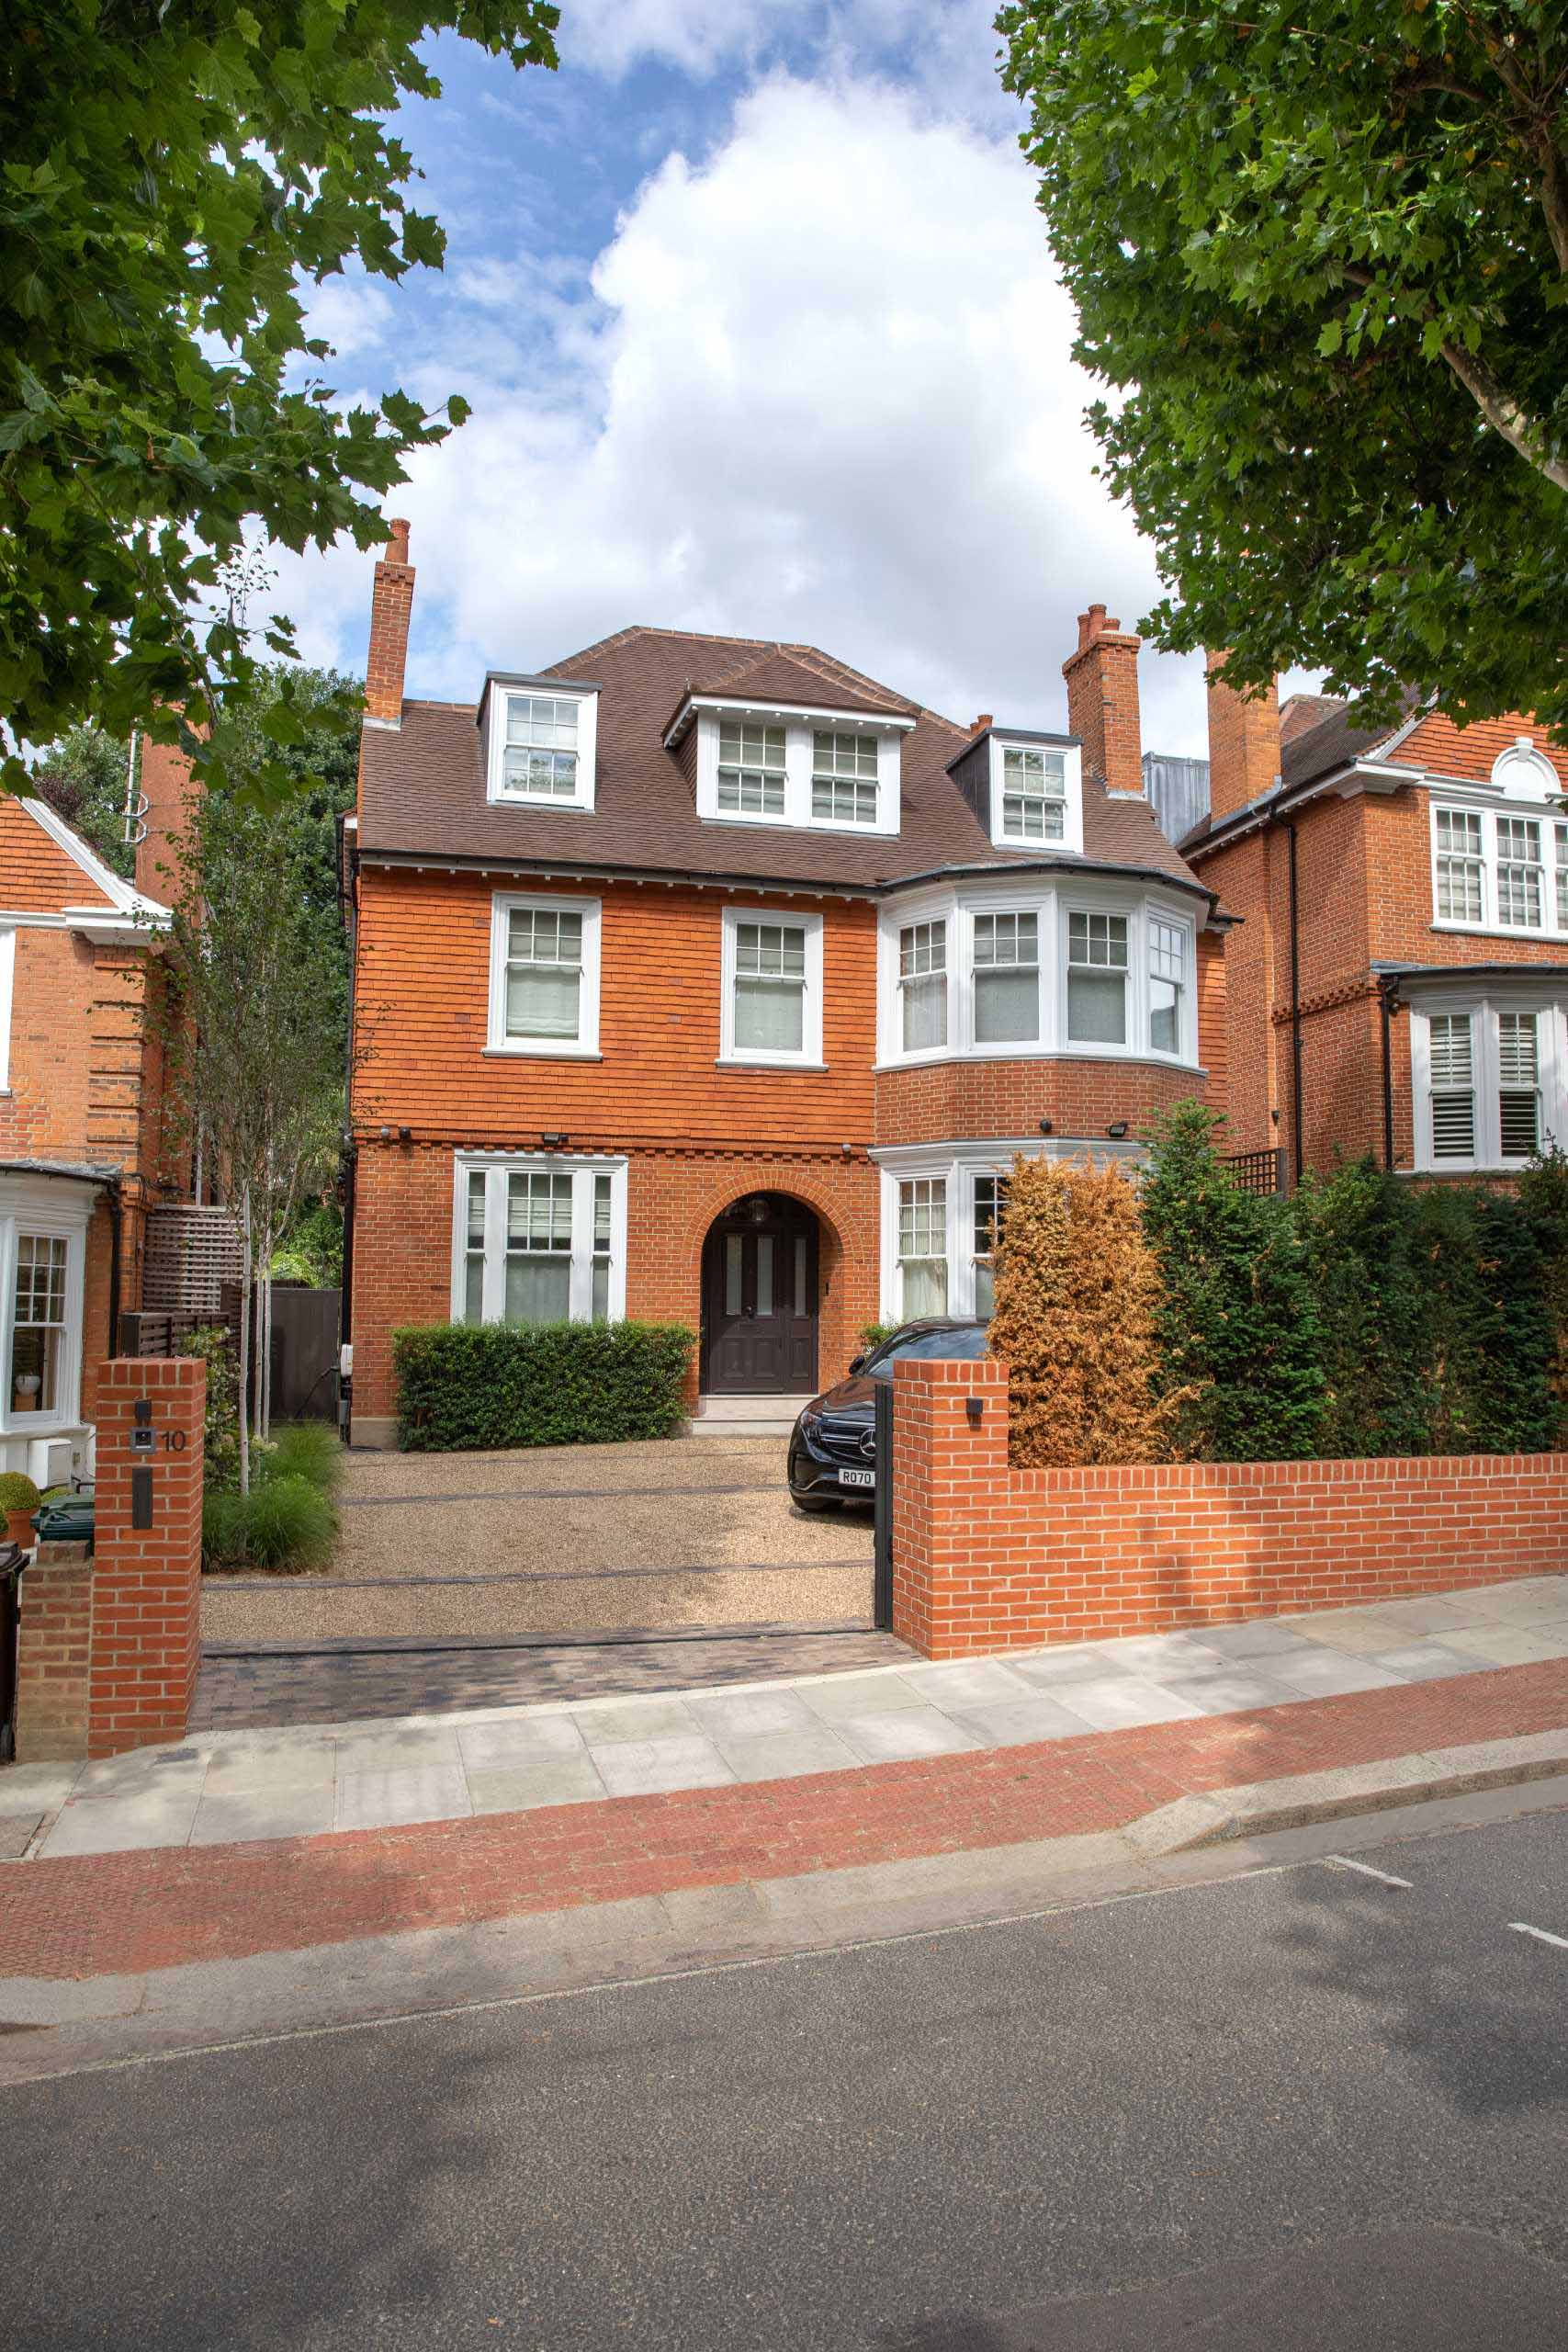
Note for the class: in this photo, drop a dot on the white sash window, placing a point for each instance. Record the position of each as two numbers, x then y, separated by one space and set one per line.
543 977
539 1241
922 985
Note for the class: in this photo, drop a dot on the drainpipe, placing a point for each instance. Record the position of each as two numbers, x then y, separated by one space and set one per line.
1388 995
1300 1151
117 1240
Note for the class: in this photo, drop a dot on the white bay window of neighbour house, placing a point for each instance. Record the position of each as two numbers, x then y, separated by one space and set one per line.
843 776
922 984
1167 985
535 1239
1097 979
922 1246
1518 872
990 1210
750 770
1460 866
1452 1052
769 987
39 1324
1561 845
1518 1085
539 756
1034 793
1007 978
544 973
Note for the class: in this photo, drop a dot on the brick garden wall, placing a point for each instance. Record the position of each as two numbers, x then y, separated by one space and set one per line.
987 1558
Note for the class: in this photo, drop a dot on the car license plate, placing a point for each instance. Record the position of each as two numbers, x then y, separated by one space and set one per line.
857 1477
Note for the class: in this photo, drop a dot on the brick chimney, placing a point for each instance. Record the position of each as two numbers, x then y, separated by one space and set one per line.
169 792
1244 743
1102 701
392 603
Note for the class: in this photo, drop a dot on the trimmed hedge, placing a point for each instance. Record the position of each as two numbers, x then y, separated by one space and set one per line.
464 1387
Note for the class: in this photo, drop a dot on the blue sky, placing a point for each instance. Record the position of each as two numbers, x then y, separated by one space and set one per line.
760 334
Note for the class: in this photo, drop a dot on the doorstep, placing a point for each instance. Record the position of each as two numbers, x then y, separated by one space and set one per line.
747 1416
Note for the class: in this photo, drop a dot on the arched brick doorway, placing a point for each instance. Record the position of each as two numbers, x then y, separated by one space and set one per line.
761 1262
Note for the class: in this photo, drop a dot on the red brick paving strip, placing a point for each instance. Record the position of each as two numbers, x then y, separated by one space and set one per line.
103 1913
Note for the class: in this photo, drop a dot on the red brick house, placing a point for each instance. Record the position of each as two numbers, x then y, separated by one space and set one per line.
707 978
81 1116
1398 979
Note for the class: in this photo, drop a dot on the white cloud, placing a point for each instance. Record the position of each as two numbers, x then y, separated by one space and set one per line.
820 388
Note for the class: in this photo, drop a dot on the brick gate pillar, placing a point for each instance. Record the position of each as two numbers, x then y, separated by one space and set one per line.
146 1634
949 1468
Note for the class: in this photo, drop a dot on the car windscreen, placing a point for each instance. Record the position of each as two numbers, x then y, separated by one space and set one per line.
950 1347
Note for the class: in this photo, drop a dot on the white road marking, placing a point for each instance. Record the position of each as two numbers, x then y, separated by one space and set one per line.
1523 1927
1345 1863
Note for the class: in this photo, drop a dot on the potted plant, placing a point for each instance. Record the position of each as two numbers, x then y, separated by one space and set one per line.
23 1393
18 1500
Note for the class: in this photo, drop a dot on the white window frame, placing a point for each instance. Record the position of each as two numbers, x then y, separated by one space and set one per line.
914 917
1552 1040
7 986
962 1166
585 1045
800 729
1493 812
37 1208
582 1168
500 693
1005 1046
1071 756
730 1055
1051 901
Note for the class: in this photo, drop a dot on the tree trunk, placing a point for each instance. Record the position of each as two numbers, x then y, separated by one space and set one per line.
245 1345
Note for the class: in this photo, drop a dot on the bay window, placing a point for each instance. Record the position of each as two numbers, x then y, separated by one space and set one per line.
1496 871
539 1241
43 1230
922 985
1488 1079
922 1246
772 979
1168 982
7 972
543 976
1097 979
1006 978
990 1208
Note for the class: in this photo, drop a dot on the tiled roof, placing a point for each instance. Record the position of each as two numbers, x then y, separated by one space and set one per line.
1337 740
424 788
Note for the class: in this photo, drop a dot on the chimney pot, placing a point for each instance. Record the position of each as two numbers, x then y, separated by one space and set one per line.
981 723
398 540
391 605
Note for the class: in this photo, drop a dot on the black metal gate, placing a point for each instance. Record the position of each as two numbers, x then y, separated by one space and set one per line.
881 1579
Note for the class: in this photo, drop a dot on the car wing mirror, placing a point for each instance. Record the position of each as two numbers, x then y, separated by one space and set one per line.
857 1363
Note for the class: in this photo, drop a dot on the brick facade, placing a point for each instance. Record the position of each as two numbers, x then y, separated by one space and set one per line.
1364 894
55 1654
987 1558
1103 700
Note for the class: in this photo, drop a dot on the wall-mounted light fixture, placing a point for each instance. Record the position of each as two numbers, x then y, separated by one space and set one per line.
553 1142
405 1135
973 1408
1117 1129
1048 1127
848 1149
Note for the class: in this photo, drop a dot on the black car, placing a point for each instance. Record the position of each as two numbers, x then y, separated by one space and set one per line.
832 1448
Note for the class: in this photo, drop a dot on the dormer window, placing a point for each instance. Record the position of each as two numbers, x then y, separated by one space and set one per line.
538 761
540 737
827 770
843 778
1034 792
751 771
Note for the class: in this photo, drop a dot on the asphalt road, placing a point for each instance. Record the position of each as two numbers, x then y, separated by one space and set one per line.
1299 2110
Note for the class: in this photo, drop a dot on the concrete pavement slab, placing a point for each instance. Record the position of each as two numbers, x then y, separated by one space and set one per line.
34 1788
1328 1673
306 1764
288 1812
1021 1720
978 1682
1219 1691
526 1738
1426 1616
1113 1704
541 1780
1419 1661
1500 1643
896 1732
1255 1639
122 1825
406 1749
729 1715
858 1694
386 1798
786 1754
614 1722
640 1768
17 1832
1063 1662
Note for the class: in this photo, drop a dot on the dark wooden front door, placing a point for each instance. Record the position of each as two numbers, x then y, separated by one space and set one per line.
760 1301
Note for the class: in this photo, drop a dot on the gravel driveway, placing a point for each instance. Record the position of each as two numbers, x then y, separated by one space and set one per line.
676 1533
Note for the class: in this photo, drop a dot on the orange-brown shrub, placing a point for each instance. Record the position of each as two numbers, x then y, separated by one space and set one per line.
1077 1301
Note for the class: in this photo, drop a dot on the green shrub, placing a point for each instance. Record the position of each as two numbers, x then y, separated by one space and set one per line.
871 1335
285 1522
18 1492
1360 1234
309 1450
220 1430
1238 1329
463 1387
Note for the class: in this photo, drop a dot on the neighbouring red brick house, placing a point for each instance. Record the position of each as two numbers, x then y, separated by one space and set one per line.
704 978
1398 980
81 1113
